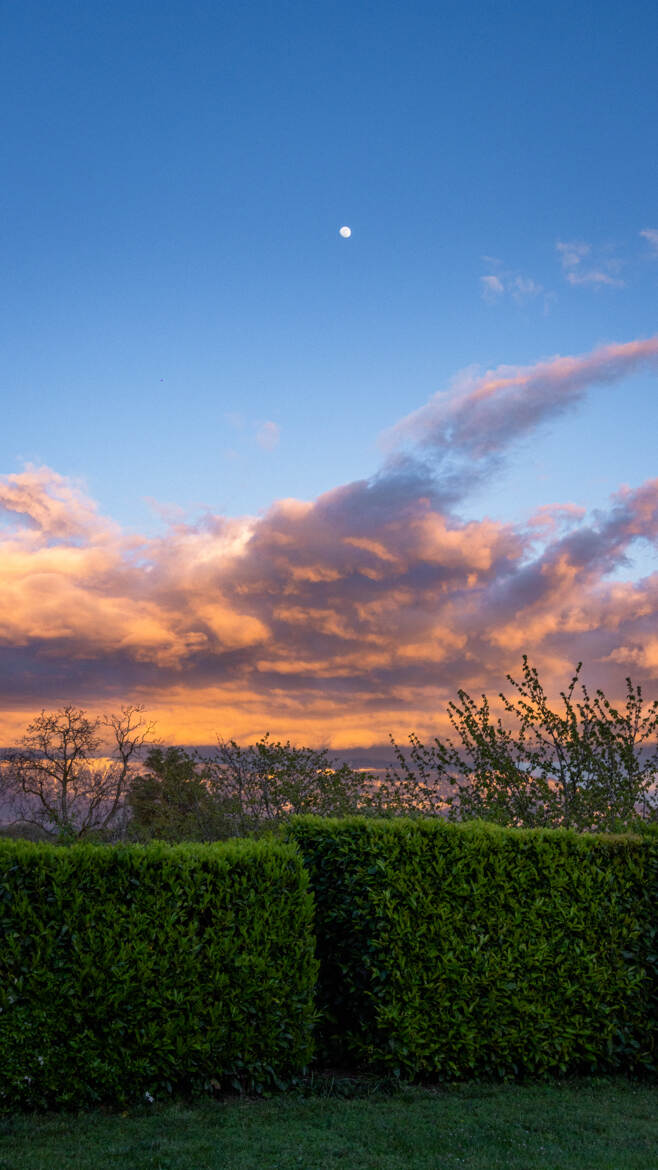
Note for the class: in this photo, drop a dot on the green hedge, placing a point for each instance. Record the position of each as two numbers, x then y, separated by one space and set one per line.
456 951
136 970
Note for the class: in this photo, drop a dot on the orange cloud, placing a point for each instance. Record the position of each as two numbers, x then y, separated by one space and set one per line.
332 621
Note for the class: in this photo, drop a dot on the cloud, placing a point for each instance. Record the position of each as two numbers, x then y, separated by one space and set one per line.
171 513
339 619
524 288
267 435
492 288
571 256
497 285
594 277
51 504
549 518
651 235
486 413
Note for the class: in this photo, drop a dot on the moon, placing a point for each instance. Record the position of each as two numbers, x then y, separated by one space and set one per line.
345 232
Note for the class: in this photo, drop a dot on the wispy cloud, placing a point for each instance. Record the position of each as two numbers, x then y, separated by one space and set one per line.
338 619
603 272
507 283
572 255
267 435
524 288
595 276
492 288
651 236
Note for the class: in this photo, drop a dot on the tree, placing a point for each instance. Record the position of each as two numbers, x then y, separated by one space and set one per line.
172 800
263 784
61 779
589 768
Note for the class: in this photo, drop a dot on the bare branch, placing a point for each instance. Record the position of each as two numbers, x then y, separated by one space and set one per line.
59 777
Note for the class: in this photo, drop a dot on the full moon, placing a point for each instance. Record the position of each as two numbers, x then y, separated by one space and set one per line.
345 232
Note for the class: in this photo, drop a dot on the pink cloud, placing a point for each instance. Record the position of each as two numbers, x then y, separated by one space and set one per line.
488 412
51 503
335 620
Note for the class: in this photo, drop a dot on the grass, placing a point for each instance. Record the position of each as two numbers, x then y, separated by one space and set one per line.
586 1124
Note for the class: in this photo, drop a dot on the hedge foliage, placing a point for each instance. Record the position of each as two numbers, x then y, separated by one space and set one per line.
445 951
470 950
136 970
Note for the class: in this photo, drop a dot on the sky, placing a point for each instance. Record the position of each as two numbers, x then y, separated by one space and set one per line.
259 477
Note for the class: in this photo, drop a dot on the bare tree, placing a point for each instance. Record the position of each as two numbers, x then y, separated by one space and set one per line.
62 779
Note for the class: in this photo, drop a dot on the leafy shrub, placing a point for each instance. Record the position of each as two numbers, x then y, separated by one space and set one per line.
145 969
590 768
171 801
239 791
268 782
456 951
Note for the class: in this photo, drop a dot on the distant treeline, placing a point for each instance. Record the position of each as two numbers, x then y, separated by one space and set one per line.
591 767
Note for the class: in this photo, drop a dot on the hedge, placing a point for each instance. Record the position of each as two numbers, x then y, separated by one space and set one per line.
454 951
143 970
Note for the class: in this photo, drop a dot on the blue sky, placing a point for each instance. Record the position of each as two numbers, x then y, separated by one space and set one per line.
175 175
185 333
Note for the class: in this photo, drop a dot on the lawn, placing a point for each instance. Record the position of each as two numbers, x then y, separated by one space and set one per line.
585 1124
